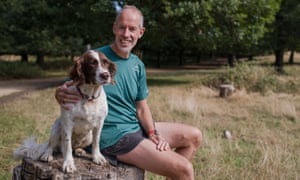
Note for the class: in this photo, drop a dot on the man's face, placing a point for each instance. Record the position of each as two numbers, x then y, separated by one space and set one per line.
127 30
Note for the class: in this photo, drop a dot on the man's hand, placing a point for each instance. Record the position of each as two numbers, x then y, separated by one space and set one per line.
65 96
161 143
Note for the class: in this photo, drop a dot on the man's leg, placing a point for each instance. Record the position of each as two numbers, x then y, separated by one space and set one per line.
166 163
185 139
176 165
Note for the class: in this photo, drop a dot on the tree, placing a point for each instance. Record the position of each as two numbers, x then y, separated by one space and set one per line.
238 25
283 34
28 24
222 26
292 24
6 39
173 28
53 27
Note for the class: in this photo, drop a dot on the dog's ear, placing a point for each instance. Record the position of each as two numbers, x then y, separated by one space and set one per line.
76 73
112 67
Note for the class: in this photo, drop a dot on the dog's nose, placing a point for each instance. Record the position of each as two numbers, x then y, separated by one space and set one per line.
104 75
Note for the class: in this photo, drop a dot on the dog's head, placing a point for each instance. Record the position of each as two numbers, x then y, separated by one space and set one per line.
92 68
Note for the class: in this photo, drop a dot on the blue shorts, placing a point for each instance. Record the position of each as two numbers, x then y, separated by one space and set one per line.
123 146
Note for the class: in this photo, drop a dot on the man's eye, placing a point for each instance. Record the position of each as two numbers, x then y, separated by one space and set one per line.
122 27
132 29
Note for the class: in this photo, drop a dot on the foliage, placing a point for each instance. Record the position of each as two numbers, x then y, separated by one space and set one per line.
58 66
18 70
53 27
238 25
228 26
283 32
174 28
252 78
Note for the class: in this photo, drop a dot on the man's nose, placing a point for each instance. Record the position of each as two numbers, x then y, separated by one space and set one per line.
126 32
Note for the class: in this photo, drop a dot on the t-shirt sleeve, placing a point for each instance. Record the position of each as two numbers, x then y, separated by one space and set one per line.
143 91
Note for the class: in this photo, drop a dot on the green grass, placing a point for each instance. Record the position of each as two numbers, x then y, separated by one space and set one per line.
52 67
262 115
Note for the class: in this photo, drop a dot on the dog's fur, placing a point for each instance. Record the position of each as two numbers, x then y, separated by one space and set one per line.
81 125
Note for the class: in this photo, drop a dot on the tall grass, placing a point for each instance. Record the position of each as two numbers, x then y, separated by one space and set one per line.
252 77
265 126
26 70
18 70
265 143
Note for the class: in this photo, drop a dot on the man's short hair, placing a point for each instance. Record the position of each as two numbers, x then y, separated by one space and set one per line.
132 7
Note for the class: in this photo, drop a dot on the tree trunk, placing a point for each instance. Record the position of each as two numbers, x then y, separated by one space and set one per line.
231 59
280 40
279 61
226 90
181 57
291 59
24 57
250 58
198 55
40 58
158 56
86 169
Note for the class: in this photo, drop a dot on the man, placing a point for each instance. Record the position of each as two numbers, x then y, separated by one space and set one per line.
129 133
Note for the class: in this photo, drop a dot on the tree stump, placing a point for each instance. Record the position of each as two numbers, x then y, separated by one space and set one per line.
86 170
226 90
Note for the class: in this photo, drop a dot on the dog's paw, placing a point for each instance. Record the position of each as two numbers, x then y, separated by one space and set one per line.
47 157
80 152
99 159
69 166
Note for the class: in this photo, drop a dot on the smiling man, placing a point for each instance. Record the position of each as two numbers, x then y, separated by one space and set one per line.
129 133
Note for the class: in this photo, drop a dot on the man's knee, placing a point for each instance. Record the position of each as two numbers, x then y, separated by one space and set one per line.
184 170
196 138
199 138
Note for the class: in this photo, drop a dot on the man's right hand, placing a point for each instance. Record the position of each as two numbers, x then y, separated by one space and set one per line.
64 95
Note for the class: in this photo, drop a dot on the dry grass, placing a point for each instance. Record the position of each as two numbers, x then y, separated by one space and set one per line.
265 128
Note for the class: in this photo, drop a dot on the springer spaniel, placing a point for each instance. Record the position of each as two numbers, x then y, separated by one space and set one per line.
81 125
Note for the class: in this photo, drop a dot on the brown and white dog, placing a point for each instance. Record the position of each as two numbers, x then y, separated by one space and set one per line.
81 125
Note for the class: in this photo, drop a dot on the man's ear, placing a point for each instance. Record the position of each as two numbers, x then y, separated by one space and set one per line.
142 31
114 28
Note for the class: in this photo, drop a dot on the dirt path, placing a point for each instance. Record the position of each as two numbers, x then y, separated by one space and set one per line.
10 89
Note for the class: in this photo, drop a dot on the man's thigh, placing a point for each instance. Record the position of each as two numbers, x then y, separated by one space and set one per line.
146 156
176 134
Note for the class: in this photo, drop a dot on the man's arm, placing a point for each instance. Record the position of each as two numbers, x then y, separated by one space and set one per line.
145 117
64 95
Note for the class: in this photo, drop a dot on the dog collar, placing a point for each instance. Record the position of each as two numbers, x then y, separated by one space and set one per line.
87 97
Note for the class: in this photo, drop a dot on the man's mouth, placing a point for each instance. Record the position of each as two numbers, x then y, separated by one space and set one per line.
125 42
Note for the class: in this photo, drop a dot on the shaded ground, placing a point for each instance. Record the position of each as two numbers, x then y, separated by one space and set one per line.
11 89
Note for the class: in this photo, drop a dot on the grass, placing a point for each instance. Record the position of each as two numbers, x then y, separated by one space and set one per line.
265 124
52 67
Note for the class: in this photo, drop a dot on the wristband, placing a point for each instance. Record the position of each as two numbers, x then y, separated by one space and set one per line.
152 132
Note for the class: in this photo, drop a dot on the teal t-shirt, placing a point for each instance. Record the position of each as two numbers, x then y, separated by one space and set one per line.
130 86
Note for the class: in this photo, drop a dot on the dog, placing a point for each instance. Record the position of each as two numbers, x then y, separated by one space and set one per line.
81 124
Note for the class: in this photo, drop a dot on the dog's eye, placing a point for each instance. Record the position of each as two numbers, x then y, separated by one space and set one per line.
94 62
104 61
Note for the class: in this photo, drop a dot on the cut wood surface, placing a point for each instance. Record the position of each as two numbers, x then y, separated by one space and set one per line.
86 169
226 90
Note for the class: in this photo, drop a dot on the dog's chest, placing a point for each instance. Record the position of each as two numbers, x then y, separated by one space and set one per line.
87 113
